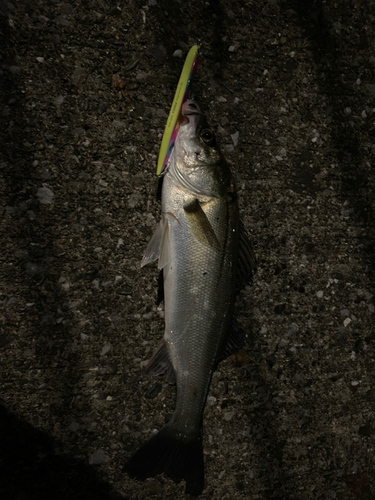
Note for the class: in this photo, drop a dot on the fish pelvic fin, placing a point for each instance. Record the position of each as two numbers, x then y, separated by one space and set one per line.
167 452
159 246
153 248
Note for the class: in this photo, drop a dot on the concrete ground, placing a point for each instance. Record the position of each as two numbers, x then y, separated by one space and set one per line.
85 90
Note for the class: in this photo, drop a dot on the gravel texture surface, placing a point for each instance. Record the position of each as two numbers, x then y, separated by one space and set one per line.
85 90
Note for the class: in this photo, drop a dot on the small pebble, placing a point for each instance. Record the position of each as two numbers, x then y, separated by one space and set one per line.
105 350
320 294
235 137
74 426
135 200
211 400
34 270
45 195
124 291
98 457
347 321
161 113
74 304
292 329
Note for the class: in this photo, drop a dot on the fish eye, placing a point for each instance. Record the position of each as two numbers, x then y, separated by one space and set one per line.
207 136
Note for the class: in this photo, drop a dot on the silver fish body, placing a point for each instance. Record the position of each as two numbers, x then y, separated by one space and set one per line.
199 287
198 243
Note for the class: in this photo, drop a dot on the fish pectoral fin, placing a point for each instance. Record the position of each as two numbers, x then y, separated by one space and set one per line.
235 340
159 246
200 225
247 264
160 363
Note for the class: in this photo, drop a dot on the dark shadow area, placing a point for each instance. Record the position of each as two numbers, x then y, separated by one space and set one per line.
338 57
36 260
30 469
202 23
268 439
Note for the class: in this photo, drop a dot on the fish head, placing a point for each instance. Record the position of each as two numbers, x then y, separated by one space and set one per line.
196 161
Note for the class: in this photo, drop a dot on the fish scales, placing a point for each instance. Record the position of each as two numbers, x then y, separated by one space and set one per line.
199 296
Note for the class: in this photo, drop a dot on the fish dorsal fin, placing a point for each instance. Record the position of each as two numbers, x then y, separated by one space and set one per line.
159 246
161 363
199 223
246 266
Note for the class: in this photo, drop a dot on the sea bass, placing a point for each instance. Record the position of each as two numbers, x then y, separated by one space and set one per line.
202 250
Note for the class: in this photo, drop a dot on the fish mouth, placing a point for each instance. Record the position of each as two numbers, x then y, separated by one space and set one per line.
190 108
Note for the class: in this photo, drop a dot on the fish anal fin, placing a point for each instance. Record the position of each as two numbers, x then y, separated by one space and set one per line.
179 458
200 224
160 363
246 266
235 340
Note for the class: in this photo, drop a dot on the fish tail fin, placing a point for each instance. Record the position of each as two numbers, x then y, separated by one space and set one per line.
167 452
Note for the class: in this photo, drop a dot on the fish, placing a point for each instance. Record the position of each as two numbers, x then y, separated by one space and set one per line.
205 255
